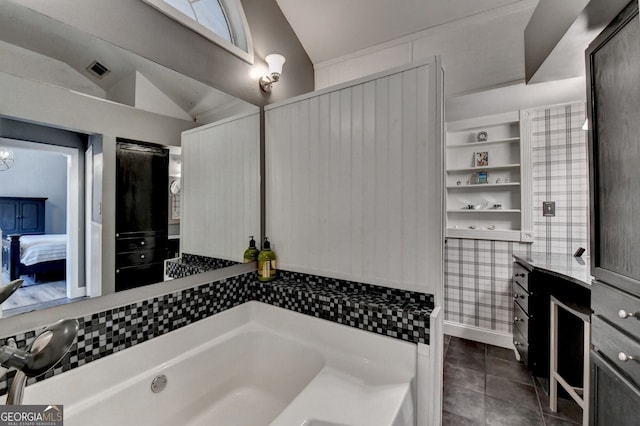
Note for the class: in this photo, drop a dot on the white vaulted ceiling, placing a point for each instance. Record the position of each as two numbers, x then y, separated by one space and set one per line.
332 28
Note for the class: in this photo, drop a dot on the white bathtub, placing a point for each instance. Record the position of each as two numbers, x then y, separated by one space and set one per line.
252 365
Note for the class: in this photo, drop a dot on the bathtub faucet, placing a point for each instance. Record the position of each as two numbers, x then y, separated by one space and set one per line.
9 289
46 350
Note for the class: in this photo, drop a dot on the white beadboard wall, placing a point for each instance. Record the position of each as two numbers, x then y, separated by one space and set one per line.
354 180
221 187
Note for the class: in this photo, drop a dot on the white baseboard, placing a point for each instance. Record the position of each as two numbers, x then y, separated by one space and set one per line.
477 334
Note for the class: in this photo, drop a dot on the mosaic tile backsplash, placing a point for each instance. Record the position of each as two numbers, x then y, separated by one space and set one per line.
478 272
191 264
400 314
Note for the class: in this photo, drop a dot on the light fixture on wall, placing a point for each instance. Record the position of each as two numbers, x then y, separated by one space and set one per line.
275 62
6 159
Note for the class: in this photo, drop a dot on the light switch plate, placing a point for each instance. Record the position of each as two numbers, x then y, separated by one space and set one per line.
548 208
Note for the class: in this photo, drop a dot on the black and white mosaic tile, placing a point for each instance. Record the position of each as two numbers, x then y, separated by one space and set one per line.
191 264
397 313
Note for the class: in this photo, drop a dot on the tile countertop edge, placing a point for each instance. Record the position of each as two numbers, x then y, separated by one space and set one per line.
560 265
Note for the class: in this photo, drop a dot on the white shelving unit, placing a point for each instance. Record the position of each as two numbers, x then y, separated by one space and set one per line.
501 208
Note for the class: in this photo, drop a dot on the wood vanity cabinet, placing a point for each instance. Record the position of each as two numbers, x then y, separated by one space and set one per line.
142 179
532 289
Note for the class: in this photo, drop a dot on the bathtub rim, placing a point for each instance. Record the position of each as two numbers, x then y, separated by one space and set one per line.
250 316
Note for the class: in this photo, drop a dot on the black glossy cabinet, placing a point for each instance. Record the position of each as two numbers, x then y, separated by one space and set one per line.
614 400
532 290
142 178
613 77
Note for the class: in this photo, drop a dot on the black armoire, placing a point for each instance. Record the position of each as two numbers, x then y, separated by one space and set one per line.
613 75
142 178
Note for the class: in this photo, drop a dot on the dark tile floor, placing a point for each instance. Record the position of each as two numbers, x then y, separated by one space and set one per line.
485 385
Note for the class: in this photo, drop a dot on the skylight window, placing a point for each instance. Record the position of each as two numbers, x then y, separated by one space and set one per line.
221 21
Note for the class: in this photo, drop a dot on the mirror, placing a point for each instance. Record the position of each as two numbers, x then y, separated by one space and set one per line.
67 97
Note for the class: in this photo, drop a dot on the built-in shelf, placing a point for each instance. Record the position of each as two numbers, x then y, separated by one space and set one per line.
483 211
497 234
491 142
508 151
485 168
483 186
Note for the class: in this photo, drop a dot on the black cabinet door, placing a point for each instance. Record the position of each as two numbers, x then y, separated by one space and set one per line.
614 400
614 102
142 179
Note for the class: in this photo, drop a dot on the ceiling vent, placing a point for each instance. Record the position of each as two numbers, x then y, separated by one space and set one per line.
98 70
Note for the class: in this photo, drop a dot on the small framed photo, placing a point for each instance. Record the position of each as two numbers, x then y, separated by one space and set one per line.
481 159
482 177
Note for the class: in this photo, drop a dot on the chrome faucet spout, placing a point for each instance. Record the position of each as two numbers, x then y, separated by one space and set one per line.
9 289
46 350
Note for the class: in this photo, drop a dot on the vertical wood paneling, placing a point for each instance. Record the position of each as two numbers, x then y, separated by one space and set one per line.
410 169
357 181
381 196
395 221
354 175
370 232
221 188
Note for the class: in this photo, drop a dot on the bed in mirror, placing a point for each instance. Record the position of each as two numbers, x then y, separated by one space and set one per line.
69 98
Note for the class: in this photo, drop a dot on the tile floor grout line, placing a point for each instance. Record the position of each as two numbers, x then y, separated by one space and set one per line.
544 422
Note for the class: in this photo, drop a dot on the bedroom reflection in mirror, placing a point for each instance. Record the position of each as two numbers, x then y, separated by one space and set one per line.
34 219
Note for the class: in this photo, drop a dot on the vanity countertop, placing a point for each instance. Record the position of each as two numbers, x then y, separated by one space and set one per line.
574 269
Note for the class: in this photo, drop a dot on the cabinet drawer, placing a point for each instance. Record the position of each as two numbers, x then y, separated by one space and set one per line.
615 345
521 344
140 257
521 275
614 305
521 296
138 243
137 276
521 321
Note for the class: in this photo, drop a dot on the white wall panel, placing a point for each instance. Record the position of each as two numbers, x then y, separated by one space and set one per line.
479 52
221 187
353 180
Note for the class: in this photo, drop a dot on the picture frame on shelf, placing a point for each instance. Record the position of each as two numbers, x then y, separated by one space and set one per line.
483 177
481 159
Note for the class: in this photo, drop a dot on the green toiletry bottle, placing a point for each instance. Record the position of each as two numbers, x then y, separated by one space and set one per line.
251 254
266 263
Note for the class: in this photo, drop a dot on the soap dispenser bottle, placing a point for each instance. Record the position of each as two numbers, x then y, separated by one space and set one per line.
266 263
251 254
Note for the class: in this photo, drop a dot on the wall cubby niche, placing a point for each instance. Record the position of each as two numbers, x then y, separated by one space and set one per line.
488 178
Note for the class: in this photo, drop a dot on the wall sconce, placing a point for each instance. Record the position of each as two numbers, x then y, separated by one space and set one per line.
275 62
6 159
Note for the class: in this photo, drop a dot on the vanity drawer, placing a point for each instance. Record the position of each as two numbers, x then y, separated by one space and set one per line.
521 297
521 321
615 345
137 276
616 307
137 243
521 275
140 257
